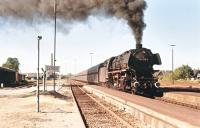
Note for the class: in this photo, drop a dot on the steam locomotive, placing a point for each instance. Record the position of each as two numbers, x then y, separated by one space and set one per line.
131 71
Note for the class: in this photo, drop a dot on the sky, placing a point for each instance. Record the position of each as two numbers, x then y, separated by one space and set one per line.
168 22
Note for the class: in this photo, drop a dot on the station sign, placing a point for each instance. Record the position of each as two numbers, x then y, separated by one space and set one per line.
50 68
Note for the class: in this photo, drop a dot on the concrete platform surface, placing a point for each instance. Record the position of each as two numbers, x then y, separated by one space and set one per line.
18 109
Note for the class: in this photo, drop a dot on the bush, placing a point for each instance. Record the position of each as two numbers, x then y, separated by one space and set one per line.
183 72
167 77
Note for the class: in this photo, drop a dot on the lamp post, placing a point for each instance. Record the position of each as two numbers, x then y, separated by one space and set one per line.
172 63
91 58
54 59
44 79
126 2
38 76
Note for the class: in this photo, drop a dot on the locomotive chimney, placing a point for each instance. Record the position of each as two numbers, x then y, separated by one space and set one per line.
138 46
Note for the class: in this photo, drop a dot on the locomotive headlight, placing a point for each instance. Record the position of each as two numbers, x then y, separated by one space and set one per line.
157 84
136 84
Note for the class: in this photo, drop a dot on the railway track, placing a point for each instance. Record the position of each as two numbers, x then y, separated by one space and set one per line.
171 101
97 113
181 89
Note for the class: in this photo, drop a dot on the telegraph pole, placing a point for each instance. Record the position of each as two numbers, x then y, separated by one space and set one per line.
91 59
54 64
38 77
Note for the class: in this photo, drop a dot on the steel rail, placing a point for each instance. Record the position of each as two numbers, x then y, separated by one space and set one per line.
79 109
168 100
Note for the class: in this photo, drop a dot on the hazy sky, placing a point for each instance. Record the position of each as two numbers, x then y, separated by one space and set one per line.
168 22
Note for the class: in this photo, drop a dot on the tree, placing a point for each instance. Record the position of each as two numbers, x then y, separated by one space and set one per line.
12 63
183 72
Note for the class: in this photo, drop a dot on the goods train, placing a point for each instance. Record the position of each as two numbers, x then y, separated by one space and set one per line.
10 77
131 71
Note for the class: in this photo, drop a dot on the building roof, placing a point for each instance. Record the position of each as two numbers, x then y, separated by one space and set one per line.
7 69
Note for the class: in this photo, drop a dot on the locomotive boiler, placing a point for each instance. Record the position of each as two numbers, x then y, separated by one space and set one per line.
130 71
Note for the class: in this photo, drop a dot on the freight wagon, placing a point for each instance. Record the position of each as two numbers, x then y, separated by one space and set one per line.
10 77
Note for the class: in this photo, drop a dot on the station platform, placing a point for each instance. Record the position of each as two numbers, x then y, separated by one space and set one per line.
156 113
57 110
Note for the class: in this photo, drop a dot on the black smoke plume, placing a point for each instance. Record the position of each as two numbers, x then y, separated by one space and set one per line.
79 10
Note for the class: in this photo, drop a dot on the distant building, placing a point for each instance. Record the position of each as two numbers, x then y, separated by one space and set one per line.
33 76
161 74
197 74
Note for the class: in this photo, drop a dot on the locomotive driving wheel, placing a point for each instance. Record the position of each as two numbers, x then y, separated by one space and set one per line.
134 91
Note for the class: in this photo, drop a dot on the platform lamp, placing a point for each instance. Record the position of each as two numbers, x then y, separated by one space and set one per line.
172 45
38 76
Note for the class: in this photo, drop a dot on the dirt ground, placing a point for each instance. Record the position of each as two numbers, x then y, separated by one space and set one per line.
57 110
